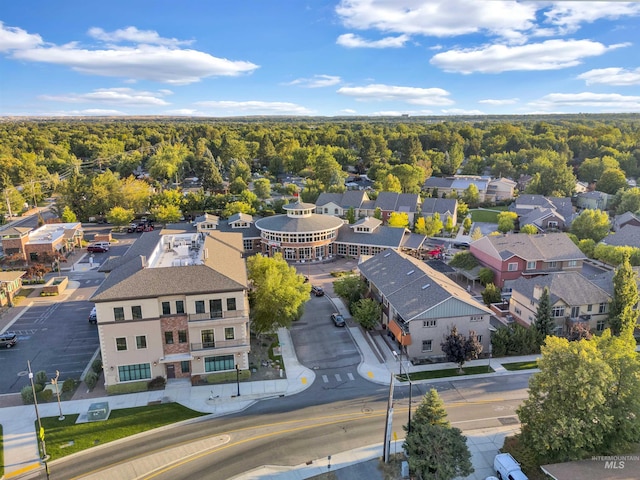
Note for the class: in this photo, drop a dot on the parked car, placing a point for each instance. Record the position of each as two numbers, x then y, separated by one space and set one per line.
98 247
8 339
317 291
338 320
93 316
507 468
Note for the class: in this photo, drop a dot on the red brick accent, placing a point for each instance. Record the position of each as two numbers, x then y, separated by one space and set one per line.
173 324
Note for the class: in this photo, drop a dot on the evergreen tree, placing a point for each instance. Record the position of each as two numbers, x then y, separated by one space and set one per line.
377 213
622 314
543 322
431 410
351 216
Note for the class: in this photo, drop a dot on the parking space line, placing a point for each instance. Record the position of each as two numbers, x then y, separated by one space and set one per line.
350 375
338 377
325 379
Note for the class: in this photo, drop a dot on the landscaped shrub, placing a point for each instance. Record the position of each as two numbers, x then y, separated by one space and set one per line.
68 385
157 383
96 366
41 378
27 395
514 340
44 396
91 378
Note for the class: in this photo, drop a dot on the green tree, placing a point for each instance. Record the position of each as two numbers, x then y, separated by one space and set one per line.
167 162
398 220
433 225
237 186
485 275
593 224
471 194
431 410
262 188
476 234
390 183
367 312
506 221
350 288
466 225
377 213
165 214
587 246
437 452
623 317
460 349
612 180
420 226
543 322
329 173
491 294
629 201
411 177
120 216
237 207
278 294
351 215
448 225
529 229
68 216
211 177
136 194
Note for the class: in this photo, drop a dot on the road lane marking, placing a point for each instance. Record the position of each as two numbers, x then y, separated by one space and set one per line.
338 377
325 379
22 470
350 375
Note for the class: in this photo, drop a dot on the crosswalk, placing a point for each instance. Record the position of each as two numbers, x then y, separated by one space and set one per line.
337 377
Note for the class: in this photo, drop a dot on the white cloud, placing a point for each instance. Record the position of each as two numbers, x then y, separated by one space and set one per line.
317 81
158 64
133 35
255 107
504 101
439 18
611 76
348 111
190 112
412 95
461 111
120 96
548 55
350 40
568 16
13 38
604 102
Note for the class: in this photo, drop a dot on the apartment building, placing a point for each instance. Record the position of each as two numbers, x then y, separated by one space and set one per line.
175 305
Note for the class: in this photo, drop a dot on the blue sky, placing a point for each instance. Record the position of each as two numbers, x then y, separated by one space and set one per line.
318 57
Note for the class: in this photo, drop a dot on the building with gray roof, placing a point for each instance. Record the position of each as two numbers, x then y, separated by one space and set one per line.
420 305
627 236
174 305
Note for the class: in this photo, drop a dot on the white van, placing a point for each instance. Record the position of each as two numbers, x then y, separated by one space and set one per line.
507 468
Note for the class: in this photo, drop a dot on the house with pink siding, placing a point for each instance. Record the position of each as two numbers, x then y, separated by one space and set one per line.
514 255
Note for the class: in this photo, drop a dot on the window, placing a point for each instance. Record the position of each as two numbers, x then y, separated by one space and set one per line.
141 342
182 336
512 267
553 264
589 308
476 318
575 312
141 371
217 364
229 333
166 308
136 312
208 340
179 306
531 265
231 303
118 314
518 311
121 344
168 338
557 311
427 345
552 224
573 263
185 366
199 306
601 325
215 308
429 323
602 308
479 337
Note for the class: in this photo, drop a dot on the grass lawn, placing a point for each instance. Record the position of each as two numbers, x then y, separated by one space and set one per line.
484 216
520 365
66 437
450 372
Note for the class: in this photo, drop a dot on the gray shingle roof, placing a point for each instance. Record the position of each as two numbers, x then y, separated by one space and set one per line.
312 223
380 237
220 271
546 246
387 201
570 287
628 236
442 206
403 281
438 182
325 198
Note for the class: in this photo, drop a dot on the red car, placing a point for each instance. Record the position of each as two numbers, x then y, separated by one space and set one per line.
98 248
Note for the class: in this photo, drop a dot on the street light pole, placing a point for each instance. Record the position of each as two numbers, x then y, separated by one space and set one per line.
44 455
238 378
54 381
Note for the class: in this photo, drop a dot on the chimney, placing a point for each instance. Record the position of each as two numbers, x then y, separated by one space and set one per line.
537 292
143 261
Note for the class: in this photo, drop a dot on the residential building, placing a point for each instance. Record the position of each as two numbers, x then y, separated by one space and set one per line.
573 298
175 305
368 236
392 202
239 222
626 218
594 200
445 207
627 236
338 204
546 213
513 255
500 189
420 305
14 240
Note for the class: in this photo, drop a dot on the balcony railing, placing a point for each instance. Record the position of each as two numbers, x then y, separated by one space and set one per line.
198 317
218 344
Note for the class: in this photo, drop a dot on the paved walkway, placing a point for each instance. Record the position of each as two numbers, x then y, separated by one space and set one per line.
377 365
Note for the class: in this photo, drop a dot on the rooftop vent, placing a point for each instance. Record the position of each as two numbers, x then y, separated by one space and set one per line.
387 254
410 272
424 287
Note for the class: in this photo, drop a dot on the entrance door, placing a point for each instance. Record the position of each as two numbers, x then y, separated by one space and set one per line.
171 371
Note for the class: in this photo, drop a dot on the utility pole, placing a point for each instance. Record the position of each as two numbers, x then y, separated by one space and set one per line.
44 455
